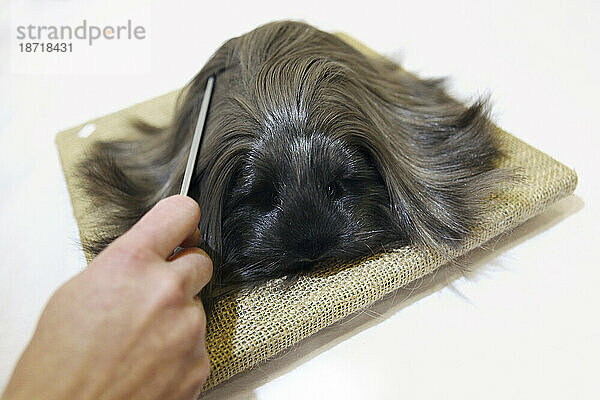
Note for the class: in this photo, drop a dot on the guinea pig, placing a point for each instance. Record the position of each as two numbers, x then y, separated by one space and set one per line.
311 151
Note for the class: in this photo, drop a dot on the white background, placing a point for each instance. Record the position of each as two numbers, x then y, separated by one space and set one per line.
523 324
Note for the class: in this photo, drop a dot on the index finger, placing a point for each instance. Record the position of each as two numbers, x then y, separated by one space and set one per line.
164 227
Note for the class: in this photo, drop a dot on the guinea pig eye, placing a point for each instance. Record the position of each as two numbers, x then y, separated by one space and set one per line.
263 197
334 190
269 197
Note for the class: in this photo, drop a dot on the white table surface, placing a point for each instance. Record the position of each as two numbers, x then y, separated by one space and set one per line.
524 323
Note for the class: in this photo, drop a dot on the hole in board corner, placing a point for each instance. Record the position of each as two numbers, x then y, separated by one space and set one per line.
87 130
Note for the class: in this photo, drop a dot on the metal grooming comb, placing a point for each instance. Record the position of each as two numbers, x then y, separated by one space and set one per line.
197 139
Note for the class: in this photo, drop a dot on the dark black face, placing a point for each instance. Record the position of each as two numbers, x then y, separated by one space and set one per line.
299 200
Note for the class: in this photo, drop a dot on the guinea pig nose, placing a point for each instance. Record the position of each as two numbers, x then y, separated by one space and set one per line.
311 249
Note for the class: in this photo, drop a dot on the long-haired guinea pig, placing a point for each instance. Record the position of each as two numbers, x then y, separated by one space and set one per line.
311 151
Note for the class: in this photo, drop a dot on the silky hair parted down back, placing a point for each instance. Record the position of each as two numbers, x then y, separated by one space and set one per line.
311 151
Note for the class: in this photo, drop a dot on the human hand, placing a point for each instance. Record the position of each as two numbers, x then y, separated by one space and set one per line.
129 325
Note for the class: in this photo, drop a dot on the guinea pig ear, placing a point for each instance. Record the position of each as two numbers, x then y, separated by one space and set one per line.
438 163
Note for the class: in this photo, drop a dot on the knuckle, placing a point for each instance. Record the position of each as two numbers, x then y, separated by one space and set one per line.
207 263
199 374
123 256
203 372
196 322
171 288
204 367
203 265
197 266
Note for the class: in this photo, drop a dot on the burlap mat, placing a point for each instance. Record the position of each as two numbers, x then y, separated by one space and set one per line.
253 326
